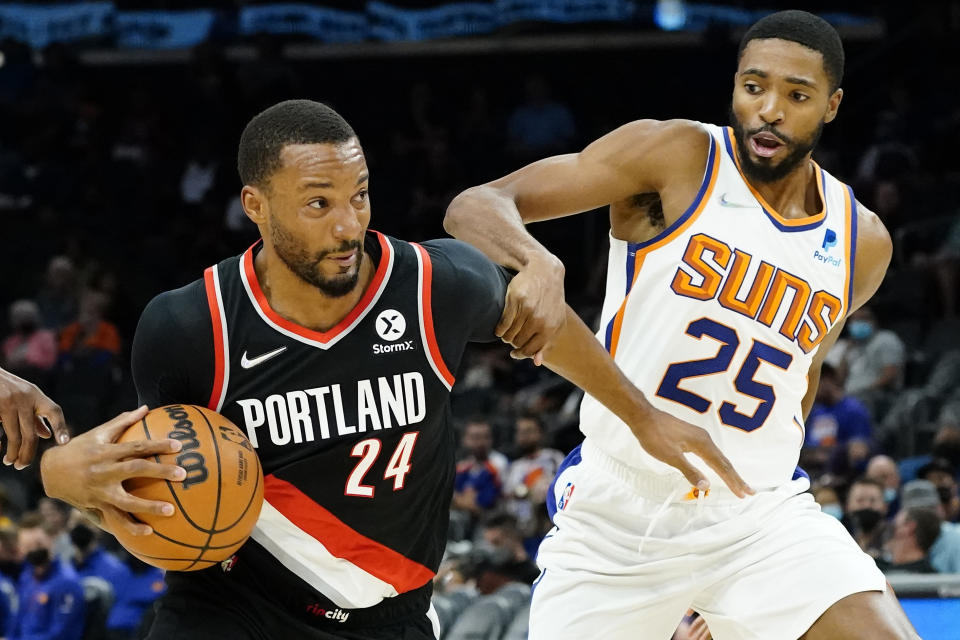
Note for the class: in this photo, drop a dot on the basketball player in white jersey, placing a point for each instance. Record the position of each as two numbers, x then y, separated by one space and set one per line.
722 318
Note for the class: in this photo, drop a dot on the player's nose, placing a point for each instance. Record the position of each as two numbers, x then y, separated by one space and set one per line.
346 223
771 109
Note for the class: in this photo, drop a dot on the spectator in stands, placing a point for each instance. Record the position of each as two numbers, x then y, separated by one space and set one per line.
50 595
56 515
91 559
884 470
480 472
864 515
508 560
944 265
943 475
838 433
540 126
141 585
530 474
30 351
91 336
945 552
874 361
58 297
914 532
946 444
11 560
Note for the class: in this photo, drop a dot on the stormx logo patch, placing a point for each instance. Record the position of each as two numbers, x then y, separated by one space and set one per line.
829 241
391 325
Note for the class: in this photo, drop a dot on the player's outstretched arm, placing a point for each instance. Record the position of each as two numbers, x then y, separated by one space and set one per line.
88 472
22 405
639 157
576 355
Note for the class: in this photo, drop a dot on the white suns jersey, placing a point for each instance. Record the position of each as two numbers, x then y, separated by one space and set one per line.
717 319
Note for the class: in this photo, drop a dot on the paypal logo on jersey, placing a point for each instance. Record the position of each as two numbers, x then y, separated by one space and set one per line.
829 241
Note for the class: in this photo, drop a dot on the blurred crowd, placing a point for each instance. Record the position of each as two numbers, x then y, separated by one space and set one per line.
118 182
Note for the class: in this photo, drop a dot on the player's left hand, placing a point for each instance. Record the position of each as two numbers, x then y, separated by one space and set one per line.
698 630
22 405
667 439
534 309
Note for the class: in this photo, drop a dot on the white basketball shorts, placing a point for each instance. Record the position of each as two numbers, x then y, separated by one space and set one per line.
626 562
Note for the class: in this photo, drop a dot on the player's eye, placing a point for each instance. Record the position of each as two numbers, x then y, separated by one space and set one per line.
800 97
752 87
361 197
318 204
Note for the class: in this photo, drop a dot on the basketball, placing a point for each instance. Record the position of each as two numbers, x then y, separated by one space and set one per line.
216 505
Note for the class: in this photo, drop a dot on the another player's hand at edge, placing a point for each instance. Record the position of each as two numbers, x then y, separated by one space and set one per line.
22 410
667 439
534 309
88 472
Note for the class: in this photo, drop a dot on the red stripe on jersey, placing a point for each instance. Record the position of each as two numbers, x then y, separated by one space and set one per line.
342 541
319 336
218 350
428 316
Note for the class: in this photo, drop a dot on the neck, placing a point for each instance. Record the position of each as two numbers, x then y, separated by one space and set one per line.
301 302
795 195
905 555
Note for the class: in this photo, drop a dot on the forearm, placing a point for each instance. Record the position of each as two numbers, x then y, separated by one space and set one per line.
489 220
578 356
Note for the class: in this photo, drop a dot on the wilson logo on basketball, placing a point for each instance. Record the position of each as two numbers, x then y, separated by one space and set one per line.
191 460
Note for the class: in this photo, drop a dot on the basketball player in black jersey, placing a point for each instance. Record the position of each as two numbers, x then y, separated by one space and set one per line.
334 347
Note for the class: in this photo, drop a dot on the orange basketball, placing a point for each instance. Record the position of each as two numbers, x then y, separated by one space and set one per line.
218 503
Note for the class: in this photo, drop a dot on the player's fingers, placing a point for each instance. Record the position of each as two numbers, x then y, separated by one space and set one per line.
510 309
132 504
699 630
110 431
711 454
28 439
126 521
141 468
534 346
692 474
145 448
11 427
51 411
520 319
524 335
538 358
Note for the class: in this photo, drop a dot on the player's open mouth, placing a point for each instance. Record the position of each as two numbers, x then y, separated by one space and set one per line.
765 144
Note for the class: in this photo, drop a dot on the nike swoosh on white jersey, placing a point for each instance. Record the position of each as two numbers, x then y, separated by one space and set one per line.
726 203
249 363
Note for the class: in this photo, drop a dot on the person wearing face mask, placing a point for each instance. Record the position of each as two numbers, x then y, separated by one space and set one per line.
91 559
874 361
943 475
29 351
884 470
51 604
865 515
530 474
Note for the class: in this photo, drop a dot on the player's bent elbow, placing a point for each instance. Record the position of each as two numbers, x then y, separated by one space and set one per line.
461 209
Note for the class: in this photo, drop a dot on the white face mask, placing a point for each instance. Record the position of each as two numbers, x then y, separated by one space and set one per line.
832 509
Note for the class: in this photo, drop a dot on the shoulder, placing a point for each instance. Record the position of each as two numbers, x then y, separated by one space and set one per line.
689 139
873 252
460 263
184 306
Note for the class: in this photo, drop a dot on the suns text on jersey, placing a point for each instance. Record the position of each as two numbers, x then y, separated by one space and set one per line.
305 415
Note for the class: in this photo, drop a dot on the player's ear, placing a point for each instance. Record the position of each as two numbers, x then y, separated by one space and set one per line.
833 105
254 204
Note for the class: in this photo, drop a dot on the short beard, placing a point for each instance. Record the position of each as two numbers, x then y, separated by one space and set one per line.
307 267
764 172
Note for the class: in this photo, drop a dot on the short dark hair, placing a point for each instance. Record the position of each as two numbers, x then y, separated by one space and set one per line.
927 528
803 28
868 482
287 122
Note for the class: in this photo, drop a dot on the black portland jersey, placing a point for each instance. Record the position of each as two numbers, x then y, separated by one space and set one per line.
352 425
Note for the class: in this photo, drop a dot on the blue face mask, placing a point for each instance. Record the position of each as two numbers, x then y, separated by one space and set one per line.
832 509
860 329
889 495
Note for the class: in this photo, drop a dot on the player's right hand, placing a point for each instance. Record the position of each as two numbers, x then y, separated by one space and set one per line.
22 405
667 439
88 472
534 309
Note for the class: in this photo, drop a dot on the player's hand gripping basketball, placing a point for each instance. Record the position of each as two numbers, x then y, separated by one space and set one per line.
88 472
534 309
22 405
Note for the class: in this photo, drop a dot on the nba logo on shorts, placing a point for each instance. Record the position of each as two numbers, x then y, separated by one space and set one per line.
565 497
